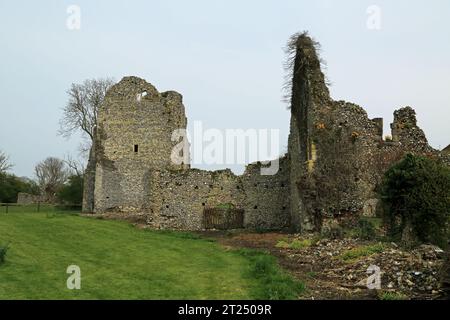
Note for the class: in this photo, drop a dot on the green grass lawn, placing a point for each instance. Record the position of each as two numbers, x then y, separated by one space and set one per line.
118 261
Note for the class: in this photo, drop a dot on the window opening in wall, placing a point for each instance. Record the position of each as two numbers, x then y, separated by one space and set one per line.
136 148
139 96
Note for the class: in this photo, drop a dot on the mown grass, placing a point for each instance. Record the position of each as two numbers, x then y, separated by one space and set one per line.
118 261
3 251
273 283
360 252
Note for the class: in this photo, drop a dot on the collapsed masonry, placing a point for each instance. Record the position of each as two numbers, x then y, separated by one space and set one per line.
335 161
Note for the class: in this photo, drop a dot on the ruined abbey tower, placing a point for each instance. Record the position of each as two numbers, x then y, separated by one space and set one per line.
133 137
335 162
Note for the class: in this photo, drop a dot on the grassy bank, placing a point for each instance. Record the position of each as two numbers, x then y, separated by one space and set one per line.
118 261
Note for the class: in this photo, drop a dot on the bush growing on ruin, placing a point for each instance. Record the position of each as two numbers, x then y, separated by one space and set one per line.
416 197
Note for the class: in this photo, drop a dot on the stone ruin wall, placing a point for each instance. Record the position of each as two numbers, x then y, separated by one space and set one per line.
267 204
133 137
177 198
145 183
27 199
335 162
338 154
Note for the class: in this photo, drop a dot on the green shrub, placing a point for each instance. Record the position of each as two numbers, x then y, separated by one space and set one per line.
416 198
366 230
72 191
3 251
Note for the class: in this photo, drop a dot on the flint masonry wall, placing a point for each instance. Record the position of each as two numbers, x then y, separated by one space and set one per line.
130 169
335 162
177 199
133 137
267 200
338 154
26 198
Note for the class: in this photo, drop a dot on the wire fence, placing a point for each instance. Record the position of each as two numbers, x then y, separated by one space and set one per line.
6 208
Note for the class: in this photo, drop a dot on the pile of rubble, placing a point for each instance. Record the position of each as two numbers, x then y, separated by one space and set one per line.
413 274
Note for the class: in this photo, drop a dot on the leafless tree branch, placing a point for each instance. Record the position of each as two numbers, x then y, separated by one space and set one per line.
75 166
5 164
81 111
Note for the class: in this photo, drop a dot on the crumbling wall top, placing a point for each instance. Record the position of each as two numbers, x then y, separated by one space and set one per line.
405 116
131 87
446 150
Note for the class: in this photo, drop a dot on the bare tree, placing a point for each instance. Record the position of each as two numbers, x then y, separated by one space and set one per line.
51 175
76 166
80 113
5 164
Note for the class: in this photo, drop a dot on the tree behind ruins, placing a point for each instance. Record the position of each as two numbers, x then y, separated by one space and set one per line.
80 113
51 175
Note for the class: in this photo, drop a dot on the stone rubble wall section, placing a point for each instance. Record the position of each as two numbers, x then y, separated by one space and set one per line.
335 162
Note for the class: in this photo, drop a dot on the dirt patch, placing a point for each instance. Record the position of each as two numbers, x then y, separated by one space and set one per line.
337 269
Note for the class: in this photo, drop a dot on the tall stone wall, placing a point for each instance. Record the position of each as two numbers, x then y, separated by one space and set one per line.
177 199
89 182
133 137
267 203
338 155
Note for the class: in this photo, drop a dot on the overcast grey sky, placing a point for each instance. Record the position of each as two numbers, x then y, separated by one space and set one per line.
225 57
